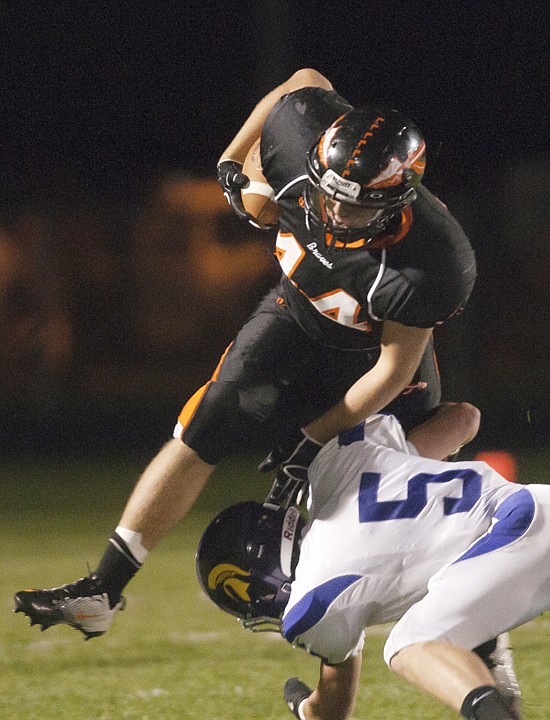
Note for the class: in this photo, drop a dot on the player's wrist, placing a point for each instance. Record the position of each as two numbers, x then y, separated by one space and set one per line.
226 159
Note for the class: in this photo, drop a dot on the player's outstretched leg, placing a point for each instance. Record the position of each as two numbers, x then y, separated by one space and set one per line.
164 494
295 693
84 605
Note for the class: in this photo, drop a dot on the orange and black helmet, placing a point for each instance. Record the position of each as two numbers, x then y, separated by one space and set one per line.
371 156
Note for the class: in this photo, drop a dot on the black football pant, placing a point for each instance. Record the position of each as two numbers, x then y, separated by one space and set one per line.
274 379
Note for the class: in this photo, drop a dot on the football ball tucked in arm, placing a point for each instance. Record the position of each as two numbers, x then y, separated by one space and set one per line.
258 196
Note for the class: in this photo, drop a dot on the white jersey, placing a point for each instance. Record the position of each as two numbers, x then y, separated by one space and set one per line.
382 523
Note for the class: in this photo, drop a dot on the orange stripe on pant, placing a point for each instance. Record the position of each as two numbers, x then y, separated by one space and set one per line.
194 401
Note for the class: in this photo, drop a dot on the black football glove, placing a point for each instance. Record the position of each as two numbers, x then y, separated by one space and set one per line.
232 181
292 458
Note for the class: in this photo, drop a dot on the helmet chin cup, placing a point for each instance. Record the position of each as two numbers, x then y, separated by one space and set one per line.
367 232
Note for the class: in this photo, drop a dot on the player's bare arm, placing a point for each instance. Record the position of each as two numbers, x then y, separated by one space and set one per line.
452 426
334 696
400 354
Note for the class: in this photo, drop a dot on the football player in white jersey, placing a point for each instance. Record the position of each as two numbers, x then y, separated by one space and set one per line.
451 551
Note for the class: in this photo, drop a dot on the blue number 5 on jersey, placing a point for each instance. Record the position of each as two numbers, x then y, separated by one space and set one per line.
372 510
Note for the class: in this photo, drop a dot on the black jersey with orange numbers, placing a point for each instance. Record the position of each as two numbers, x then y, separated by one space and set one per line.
341 295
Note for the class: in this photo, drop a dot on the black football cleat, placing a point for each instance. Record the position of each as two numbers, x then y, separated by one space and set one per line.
497 655
295 693
83 605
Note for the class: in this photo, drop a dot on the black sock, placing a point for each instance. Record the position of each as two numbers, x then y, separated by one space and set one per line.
116 568
486 703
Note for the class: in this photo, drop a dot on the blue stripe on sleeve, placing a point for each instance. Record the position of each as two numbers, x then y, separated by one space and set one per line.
514 517
354 434
312 607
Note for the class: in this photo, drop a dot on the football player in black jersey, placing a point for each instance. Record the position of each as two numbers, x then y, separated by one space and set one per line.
371 261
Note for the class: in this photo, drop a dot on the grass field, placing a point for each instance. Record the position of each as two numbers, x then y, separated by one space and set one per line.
171 654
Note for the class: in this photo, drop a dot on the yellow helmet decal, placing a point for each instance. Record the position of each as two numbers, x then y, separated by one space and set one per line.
232 579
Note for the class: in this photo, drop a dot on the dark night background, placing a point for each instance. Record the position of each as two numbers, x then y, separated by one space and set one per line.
109 109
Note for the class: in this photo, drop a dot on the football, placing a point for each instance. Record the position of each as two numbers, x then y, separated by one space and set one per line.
258 196
262 208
